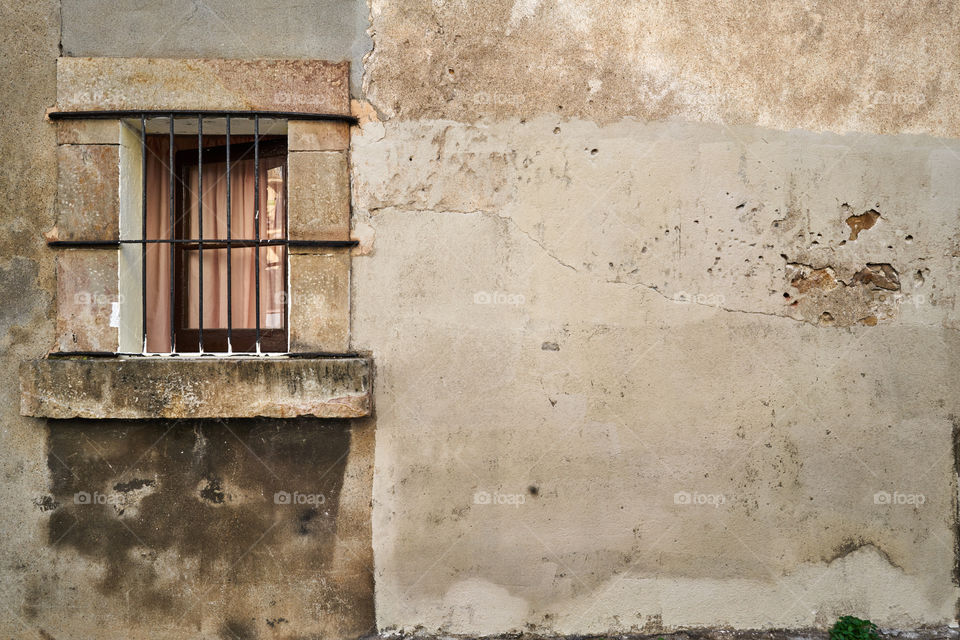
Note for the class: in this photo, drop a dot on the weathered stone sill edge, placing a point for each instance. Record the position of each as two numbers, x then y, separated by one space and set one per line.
146 388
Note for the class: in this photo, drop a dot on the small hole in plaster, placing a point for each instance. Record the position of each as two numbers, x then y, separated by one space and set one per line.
909 239
556 130
594 152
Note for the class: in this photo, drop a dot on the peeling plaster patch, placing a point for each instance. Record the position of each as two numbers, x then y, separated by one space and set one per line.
851 545
550 188
46 503
823 298
879 276
861 222
133 485
128 495
808 279
365 235
364 112
212 491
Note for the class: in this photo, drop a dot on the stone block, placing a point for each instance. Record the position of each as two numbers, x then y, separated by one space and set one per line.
320 301
323 135
319 188
88 131
88 192
311 86
88 301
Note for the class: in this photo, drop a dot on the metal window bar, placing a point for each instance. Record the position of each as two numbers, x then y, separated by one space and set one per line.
256 220
200 231
229 249
143 231
200 243
173 279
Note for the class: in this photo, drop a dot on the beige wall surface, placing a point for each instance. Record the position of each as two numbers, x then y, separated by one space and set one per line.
662 301
633 372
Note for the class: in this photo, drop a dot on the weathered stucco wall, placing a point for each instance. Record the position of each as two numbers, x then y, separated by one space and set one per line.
641 362
662 303
604 331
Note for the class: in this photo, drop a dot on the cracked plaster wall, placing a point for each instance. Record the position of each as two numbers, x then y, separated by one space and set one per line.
599 242
663 304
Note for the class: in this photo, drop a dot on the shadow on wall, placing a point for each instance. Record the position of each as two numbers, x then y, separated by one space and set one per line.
226 526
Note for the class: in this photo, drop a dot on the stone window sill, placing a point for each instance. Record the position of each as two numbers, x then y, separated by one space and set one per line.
144 388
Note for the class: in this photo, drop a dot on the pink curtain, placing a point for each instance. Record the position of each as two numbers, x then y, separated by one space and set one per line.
158 255
243 260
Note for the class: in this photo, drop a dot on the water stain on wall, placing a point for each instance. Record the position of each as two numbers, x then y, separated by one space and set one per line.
213 523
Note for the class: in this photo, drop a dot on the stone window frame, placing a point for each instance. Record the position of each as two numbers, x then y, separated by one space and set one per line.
98 188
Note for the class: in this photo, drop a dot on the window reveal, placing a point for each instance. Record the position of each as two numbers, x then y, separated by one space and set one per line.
229 226
183 257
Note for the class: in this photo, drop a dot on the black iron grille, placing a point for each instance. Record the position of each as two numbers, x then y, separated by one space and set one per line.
139 119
